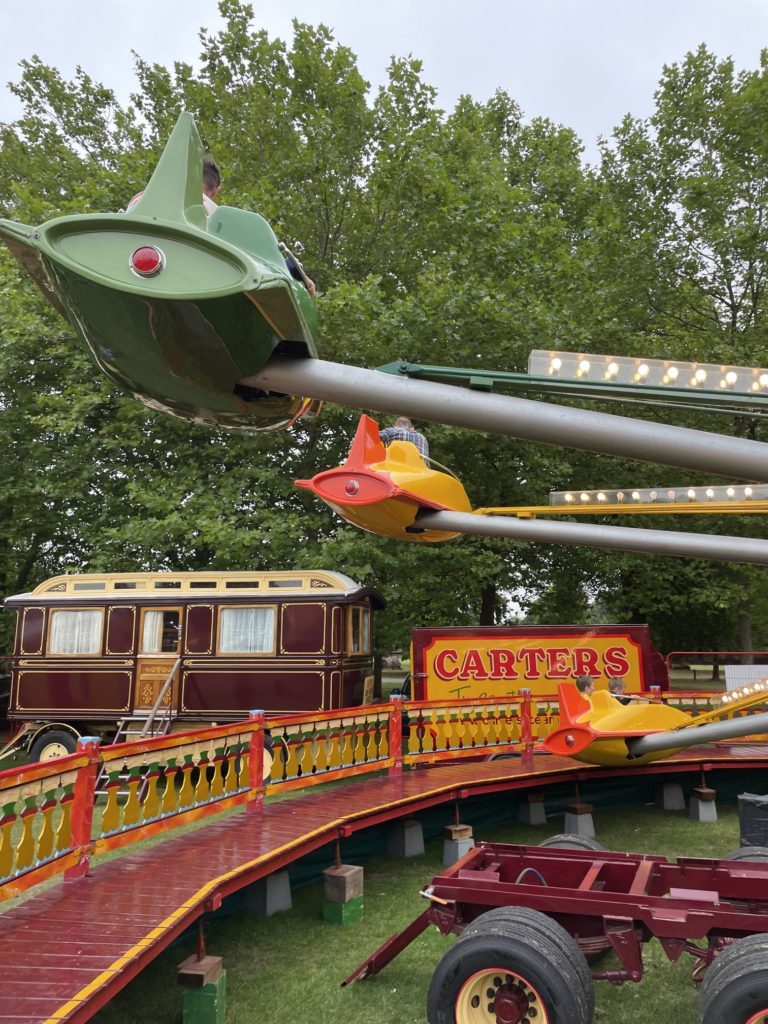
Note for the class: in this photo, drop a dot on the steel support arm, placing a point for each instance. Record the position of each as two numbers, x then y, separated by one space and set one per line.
732 457
617 538
694 735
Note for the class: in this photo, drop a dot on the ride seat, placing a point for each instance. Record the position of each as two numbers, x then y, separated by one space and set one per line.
248 231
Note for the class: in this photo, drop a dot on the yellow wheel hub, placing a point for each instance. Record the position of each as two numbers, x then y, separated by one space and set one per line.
500 997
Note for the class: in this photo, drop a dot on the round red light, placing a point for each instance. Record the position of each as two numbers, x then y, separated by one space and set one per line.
352 487
147 261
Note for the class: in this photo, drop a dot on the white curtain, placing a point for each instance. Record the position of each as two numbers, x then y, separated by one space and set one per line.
247 630
152 637
75 632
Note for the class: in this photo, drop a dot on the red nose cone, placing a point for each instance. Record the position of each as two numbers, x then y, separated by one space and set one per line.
147 261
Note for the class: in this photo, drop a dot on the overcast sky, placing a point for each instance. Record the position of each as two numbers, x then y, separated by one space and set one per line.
583 63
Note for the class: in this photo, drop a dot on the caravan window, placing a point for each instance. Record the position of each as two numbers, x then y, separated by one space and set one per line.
247 630
161 631
75 632
359 631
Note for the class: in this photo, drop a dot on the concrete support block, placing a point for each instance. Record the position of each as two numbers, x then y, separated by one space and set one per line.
531 810
457 841
206 1004
702 806
269 895
669 797
454 849
343 913
405 839
578 820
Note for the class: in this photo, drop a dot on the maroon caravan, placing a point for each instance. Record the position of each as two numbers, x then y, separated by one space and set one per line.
121 654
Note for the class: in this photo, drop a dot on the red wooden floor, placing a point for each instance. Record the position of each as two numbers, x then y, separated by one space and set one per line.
66 951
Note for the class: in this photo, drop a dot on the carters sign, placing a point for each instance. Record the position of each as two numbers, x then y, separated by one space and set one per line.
465 662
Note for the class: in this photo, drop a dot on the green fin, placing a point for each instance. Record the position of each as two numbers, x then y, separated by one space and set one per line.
175 189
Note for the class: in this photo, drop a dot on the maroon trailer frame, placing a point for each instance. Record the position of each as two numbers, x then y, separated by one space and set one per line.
604 900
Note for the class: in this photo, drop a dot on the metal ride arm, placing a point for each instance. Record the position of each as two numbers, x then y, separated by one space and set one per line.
691 508
707 399
696 734
732 457
749 550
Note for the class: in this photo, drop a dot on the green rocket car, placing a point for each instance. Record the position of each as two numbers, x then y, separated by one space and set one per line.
177 308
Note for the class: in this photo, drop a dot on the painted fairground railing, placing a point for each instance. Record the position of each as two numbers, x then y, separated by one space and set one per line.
57 813
150 785
43 830
311 748
434 730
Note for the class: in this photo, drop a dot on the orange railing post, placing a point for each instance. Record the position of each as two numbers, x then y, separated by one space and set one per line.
396 735
82 807
526 729
256 761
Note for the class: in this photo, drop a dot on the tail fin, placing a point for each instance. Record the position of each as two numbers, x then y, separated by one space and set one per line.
175 189
367 446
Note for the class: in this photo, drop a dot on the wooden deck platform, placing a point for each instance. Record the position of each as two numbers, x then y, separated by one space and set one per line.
67 950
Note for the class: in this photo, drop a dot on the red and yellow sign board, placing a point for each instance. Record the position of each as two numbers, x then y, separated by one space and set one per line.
471 663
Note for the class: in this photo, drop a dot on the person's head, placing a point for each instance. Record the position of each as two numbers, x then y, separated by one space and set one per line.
584 684
211 177
616 685
403 423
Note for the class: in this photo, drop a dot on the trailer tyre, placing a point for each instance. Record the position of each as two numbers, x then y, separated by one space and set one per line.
569 841
748 853
567 947
508 965
735 987
53 743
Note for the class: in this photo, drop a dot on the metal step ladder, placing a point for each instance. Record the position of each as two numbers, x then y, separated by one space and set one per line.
143 725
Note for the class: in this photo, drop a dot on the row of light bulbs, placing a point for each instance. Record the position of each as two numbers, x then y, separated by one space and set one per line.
760 686
656 372
671 495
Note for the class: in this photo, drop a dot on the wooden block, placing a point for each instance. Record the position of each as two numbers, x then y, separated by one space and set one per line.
343 883
196 973
579 808
457 832
704 793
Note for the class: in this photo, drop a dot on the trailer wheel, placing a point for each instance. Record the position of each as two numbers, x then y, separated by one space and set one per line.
567 946
568 841
508 966
735 987
748 853
53 743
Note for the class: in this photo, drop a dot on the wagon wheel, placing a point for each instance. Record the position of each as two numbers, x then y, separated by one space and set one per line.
53 743
735 987
508 967
569 841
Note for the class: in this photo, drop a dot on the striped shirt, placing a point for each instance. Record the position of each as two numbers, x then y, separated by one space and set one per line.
390 434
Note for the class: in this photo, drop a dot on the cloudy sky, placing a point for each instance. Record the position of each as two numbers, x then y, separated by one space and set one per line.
584 63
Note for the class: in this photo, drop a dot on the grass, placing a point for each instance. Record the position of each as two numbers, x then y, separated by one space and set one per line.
288 967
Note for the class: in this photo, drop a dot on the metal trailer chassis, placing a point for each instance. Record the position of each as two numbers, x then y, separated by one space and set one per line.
530 918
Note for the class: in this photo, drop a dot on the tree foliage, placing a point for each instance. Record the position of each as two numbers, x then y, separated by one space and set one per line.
464 237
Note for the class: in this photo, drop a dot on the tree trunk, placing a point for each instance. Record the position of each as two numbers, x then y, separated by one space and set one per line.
745 638
488 606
